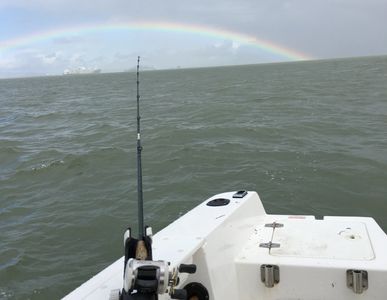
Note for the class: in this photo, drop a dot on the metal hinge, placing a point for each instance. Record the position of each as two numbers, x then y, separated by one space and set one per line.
274 225
270 275
269 245
357 280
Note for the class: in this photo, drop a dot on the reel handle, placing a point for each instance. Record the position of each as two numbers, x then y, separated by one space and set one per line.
190 269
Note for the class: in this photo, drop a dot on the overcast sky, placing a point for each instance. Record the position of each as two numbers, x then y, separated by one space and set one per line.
318 28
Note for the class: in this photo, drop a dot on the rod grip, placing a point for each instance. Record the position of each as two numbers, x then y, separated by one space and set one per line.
179 294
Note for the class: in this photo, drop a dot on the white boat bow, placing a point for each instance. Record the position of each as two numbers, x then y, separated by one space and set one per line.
243 253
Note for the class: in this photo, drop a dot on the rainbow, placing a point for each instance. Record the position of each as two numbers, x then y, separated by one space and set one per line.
218 33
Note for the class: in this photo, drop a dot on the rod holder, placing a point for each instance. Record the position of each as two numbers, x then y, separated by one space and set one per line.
269 275
357 280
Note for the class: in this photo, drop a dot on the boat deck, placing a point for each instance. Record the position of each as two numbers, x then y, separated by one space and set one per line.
243 253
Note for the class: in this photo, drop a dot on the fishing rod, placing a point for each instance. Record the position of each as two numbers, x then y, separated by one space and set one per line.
144 278
140 199
140 248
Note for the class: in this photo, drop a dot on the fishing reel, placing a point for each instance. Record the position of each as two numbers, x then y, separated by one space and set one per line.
146 279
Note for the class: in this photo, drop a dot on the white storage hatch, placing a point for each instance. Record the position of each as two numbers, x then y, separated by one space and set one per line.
322 239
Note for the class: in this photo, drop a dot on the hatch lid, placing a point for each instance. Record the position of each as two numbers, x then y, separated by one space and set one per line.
323 239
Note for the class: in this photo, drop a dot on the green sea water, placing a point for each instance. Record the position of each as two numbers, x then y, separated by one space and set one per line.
309 137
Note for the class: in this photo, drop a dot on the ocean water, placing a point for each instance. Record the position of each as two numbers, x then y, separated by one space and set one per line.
309 137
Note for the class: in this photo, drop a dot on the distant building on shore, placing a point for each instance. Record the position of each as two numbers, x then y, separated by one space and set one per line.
81 70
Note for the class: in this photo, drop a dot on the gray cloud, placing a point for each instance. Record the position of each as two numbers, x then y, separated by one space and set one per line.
321 28
68 40
324 27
